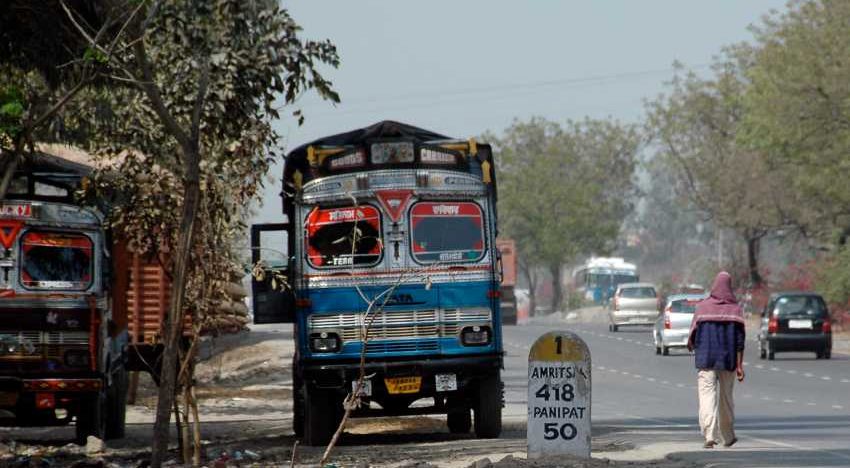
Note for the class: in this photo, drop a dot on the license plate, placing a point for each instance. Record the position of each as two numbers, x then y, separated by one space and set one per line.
399 385
800 324
8 399
365 389
445 382
637 319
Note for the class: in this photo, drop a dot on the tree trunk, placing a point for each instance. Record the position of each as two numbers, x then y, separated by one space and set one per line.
753 244
174 324
557 287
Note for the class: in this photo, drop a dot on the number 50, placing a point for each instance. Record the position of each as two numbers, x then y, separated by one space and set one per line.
567 431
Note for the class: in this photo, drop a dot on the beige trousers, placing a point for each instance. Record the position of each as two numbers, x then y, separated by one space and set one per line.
716 408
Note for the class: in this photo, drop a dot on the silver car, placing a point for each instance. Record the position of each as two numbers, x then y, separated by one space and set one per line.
672 327
633 304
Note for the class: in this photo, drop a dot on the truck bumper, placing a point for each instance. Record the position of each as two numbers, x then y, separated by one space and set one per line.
34 401
467 372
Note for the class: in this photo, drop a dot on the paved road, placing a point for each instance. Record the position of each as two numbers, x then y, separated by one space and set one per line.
794 411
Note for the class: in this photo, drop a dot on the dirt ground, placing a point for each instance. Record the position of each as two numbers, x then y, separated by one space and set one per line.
245 389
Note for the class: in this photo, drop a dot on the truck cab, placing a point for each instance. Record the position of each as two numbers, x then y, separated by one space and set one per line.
392 272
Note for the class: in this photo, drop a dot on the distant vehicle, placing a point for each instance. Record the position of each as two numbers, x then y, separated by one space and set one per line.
672 326
599 277
508 302
633 304
795 321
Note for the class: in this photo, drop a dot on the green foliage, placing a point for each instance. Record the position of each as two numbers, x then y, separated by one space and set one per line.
798 107
565 189
833 279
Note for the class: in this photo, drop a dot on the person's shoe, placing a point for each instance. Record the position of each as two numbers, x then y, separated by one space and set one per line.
709 444
731 442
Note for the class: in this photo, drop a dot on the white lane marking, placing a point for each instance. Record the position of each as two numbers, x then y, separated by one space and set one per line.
766 398
787 401
791 371
619 338
826 377
759 366
680 385
811 404
845 381
837 407
624 372
651 379
601 367
665 382
637 376
746 363
808 374
775 369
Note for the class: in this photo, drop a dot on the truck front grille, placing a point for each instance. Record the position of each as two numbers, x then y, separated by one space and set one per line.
41 344
394 325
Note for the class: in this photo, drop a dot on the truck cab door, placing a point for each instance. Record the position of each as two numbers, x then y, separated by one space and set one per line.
272 298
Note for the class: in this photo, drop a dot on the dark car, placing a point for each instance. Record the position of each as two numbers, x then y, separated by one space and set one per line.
795 321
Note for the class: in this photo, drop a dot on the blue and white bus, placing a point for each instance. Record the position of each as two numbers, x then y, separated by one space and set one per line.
599 277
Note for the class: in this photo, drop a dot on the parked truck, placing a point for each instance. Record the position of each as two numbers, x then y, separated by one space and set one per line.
388 247
507 252
78 309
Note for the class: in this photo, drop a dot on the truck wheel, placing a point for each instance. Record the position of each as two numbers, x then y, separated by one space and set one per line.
116 405
91 417
488 408
320 416
459 421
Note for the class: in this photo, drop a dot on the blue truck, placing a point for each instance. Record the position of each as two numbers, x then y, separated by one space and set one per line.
388 243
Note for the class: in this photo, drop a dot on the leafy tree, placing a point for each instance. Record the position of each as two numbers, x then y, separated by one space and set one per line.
564 190
183 121
696 128
798 108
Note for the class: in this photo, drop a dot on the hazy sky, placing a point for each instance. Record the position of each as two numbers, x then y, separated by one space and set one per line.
462 67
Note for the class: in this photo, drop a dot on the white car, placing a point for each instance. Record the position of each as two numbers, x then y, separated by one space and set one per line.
673 325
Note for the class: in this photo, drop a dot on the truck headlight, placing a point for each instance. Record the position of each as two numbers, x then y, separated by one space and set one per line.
475 336
324 342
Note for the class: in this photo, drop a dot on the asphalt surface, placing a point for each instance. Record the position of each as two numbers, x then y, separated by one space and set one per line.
794 411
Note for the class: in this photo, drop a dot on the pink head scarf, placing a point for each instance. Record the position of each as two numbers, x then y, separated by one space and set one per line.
720 306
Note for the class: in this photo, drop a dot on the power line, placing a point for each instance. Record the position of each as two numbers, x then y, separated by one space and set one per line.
565 83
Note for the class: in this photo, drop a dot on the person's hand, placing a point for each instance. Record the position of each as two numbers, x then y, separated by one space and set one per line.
739 372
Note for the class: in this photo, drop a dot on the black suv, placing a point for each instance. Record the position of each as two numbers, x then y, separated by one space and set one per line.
795 321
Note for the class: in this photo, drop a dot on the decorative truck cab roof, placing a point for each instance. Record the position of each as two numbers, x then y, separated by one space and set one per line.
386 145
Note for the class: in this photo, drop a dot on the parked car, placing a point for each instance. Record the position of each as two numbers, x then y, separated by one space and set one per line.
633 304
672 326
795 321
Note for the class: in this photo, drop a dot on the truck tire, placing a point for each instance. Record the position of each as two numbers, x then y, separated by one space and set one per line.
320 416
488 408
116 405
459 421
91 417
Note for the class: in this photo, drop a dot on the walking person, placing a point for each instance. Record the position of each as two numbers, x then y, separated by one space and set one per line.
717 336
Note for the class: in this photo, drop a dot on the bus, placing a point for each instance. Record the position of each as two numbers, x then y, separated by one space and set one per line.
598 277
390 237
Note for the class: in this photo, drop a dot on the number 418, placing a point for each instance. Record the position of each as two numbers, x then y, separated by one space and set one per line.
562 393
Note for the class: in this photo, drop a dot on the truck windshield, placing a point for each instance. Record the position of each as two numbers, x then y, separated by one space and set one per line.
447 232
340 237
53 260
